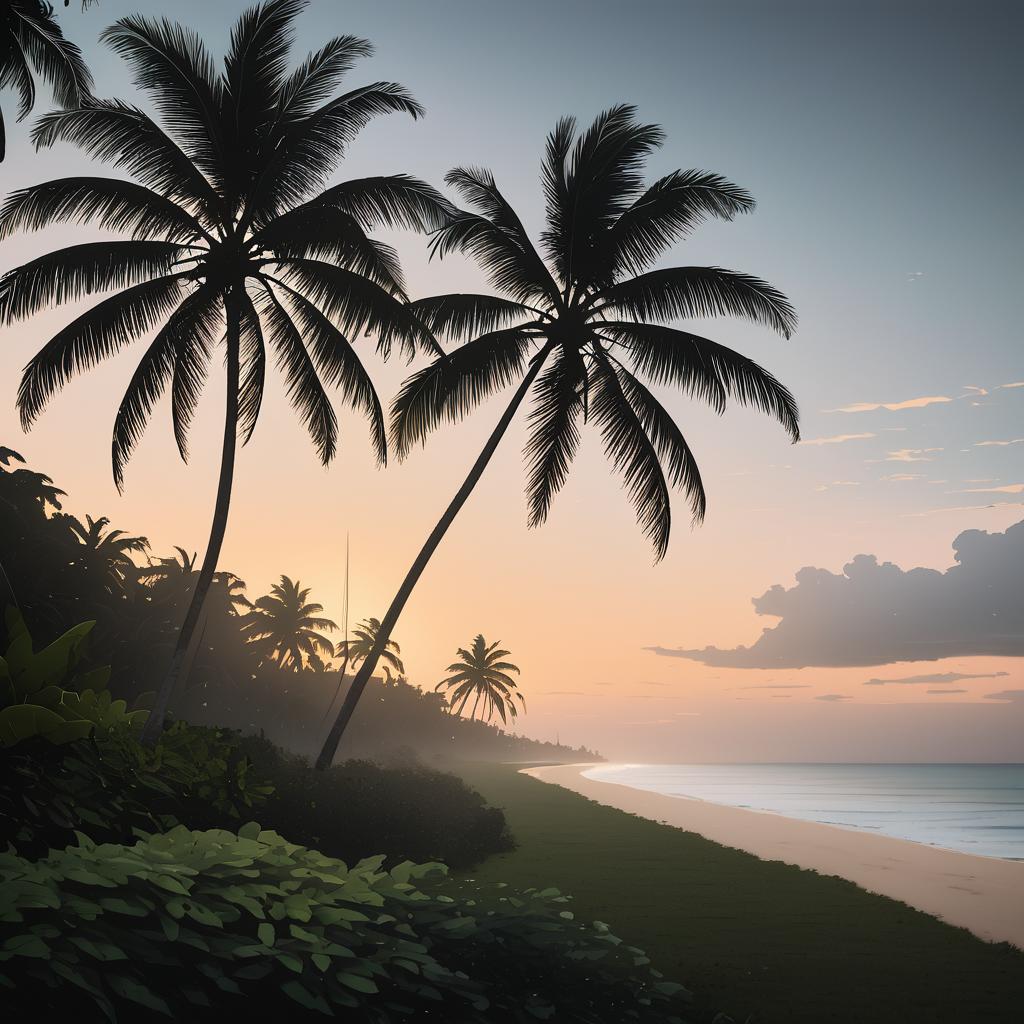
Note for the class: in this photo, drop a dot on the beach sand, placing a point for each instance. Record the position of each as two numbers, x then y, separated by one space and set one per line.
983 894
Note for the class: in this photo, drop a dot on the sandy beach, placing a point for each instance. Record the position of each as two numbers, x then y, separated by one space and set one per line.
983 894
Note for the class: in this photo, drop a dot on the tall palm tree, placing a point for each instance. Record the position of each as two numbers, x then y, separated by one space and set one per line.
232 238
358 647
581 321
286 626
481 673
31 40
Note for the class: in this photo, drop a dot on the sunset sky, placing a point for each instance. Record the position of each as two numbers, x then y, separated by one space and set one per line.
882 144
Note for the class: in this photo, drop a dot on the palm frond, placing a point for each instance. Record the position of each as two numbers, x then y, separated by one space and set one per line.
116 205
456 383
632 453
673 451
170 62
705 369
554 433
305 392
68 274
14 71
460 315
669 210
95 335
340 366
193 317
252 373
313 81
118 133
696 292
56 58
390 201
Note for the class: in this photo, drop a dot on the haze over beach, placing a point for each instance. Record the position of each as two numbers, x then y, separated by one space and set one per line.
856 128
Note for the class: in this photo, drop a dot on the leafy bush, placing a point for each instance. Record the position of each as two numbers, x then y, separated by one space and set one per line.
180 924
44 693
109 786
358 808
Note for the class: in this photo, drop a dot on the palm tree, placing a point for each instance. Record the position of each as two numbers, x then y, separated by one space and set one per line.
285 625
580 326
106 553
481 673
31 40
358 648
232 238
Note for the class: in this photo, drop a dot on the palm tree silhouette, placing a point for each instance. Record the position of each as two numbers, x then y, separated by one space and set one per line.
572 321
359 647
31 40
286 627
231 238
106 553
481 673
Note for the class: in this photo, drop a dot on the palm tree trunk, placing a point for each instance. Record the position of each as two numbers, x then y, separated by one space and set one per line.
472 717
155 722
330 748
461 705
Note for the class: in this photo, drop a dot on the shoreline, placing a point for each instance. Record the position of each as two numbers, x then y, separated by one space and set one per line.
982 894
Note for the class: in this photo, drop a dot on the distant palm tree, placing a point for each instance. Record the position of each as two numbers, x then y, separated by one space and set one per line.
226 244
358 648
360 645
481 673
31 40
107 553
286 626
571 323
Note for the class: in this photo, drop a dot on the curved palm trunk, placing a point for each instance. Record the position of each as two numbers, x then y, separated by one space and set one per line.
472 716
330 747
155 722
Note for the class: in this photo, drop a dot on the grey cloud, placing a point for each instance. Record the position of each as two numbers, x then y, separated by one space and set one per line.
876 613
936 677
1010 696
945 691
833 697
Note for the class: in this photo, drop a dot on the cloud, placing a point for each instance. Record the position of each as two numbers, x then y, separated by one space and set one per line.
945 691
773 686
936 677
963 508
1005 489
1015 384
998 444
911 455
838 439
910 403
833 697
1009 696
877 613
900 477
978 392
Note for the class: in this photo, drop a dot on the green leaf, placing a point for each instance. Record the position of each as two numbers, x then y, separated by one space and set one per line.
266 933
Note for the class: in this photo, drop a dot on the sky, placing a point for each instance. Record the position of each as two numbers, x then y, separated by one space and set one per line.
880 142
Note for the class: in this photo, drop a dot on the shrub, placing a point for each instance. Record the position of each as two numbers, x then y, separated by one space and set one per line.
180 924
110 786
359 808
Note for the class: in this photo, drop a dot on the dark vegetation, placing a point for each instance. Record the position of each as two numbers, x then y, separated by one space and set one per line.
61 572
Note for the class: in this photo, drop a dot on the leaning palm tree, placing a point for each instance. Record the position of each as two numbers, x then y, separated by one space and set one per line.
286 626
482 673
232 239
359 647
31 40
581 327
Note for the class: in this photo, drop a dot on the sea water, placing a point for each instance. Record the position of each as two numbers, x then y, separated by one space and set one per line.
974 808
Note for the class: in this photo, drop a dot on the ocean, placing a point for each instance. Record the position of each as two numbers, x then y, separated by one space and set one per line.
973 808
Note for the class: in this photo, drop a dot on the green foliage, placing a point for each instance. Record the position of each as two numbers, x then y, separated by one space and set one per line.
45 694
110 786
179 924
358 808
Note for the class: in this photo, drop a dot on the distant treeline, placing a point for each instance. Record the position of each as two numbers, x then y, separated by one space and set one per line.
60 571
